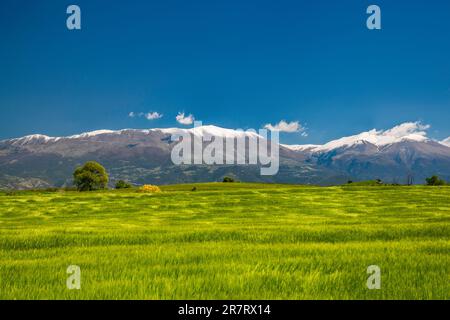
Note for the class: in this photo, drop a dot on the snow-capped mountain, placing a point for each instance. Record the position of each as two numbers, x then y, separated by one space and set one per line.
302 147
410 131
143 156
202 131
390 155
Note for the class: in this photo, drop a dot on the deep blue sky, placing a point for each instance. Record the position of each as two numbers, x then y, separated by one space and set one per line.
233 63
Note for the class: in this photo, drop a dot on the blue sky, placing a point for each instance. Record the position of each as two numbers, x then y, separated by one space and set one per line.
234 63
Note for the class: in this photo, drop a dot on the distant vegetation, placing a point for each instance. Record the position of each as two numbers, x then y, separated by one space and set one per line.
432 181
93 176
90 176
228 179
121 184
376 182
435 181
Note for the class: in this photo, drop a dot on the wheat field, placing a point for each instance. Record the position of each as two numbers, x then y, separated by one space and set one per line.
227 241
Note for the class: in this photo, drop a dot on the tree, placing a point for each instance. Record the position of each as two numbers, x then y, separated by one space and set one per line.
435 181
121 184
228 179
90 176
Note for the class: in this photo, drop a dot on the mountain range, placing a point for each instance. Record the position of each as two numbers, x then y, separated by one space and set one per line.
144 156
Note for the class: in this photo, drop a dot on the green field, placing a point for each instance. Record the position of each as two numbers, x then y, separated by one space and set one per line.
227 241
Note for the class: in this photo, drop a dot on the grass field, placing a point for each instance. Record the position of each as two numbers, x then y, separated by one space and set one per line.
227 241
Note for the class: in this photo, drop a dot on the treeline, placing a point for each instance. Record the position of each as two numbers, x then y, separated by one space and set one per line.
431 181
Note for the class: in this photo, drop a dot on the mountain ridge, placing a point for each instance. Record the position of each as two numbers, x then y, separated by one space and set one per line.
143 156
413 131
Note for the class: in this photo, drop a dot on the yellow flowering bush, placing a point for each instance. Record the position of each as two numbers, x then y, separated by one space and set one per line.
148 188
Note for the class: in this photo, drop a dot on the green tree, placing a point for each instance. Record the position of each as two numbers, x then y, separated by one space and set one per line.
121 184
228 179
435 181
90 176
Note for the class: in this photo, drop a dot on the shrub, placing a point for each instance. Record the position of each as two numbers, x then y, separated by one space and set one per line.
121 184
228 179
148 188
366 183
90 176
435 181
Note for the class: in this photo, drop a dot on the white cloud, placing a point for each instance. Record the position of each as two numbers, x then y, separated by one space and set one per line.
186 120
284 126
148 116
153 115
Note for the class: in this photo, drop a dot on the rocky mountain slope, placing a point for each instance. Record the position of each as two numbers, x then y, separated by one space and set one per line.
143 156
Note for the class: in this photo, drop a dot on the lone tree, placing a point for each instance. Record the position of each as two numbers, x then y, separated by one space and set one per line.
91 176
435 181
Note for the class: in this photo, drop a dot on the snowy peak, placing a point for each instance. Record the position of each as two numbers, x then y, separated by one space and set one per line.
211 131
33 138
409 131
301 147
413 131
446 142
91 134
208 130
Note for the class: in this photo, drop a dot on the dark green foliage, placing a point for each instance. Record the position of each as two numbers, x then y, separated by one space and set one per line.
435 181
91 176
121 184
228 179
376 182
